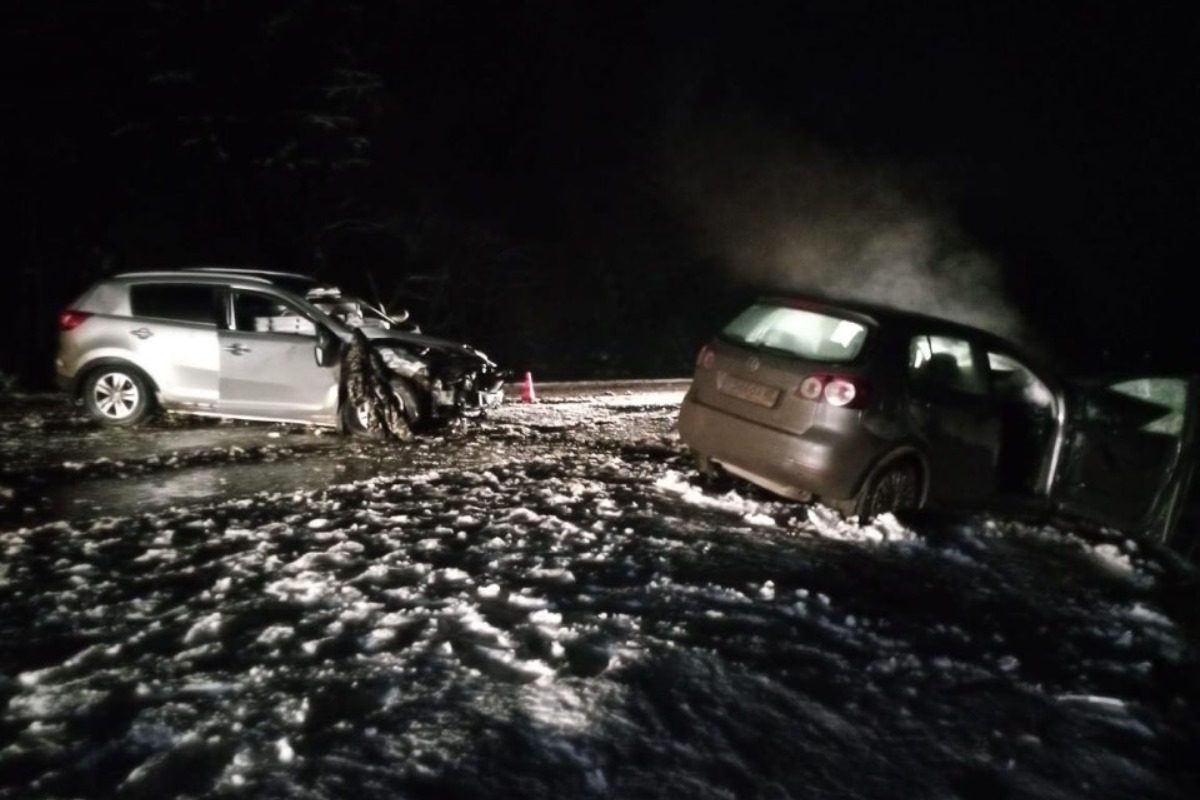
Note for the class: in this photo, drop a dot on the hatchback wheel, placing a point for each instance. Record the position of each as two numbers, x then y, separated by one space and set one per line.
117 396
894 487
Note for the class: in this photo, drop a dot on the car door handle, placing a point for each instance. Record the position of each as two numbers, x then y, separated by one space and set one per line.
142 333
237 349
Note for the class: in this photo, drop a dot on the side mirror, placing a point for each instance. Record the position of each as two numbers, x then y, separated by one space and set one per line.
328 347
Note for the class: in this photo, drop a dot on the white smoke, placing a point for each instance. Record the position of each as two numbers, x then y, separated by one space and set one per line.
792 217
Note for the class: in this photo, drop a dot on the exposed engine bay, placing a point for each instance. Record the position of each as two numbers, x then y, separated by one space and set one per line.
397 377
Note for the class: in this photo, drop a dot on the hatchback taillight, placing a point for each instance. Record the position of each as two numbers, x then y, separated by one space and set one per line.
811 387
69 320
842 391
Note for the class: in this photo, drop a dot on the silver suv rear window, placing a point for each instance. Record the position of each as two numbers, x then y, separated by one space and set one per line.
807 334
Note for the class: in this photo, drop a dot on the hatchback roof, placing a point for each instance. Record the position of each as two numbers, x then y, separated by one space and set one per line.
885 315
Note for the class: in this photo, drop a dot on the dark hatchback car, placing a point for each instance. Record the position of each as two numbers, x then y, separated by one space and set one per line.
871 410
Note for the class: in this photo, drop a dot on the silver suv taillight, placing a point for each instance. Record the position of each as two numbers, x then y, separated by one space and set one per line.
70 319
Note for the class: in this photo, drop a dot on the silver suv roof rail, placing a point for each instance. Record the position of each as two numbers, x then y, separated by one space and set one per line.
192 274
252 271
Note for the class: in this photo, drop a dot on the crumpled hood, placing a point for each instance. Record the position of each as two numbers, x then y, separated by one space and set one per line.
379 336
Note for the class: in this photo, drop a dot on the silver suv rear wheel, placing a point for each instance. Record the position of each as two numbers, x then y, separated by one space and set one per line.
116 396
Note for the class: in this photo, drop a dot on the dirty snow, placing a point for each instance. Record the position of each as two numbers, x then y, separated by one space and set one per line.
550 604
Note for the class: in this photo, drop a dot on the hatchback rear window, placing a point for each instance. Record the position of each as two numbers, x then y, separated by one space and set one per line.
807 334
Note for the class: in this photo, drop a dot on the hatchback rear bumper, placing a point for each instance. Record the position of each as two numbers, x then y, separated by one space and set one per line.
822 461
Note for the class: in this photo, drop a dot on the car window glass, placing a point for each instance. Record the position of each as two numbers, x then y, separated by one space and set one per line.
1013 382
263 314
944 363
1149 405
349 311
806 334
174 301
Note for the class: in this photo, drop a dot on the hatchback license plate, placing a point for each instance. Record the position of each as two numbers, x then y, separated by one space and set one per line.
749 391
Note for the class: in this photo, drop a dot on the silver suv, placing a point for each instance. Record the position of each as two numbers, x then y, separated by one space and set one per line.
250 344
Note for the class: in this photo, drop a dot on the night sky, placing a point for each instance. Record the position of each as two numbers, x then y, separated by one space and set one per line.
544 178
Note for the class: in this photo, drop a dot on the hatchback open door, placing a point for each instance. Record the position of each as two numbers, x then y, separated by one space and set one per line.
1128 452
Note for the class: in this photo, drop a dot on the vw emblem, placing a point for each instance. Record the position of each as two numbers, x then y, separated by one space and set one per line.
752 363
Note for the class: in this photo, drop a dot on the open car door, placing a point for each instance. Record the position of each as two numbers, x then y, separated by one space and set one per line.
1128 452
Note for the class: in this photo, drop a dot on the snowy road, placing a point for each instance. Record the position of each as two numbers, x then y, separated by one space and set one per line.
544 604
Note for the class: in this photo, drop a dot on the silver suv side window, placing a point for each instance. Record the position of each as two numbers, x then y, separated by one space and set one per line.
945 363
260 313
177 302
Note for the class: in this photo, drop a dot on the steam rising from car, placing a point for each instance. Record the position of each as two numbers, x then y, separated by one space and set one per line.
793 217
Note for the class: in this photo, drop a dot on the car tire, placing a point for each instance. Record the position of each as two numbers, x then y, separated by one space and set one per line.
410 401
711 477
893 487
356 419
117 396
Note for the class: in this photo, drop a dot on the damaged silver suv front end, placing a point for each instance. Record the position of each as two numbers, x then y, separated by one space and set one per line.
457 379
396 382
396 377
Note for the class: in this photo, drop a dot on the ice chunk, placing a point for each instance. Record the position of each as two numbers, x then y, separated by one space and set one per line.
209 627
544 617
1092 699
1112 556
276 634
523 515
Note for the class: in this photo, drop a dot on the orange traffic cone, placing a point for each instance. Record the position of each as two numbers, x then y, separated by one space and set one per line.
528 395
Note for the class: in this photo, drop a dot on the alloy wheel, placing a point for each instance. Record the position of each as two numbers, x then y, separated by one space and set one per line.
116 395
895 489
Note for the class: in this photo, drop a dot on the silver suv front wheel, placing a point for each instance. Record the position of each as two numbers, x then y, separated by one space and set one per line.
363 418
116 396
